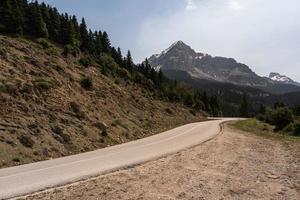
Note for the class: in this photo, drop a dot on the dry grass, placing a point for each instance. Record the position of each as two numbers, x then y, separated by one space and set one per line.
262 129
34 108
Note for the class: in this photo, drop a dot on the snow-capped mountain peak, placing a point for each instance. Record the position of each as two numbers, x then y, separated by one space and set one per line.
178 44
282 78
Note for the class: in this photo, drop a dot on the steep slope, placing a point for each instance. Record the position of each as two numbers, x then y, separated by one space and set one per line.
181 57
45 112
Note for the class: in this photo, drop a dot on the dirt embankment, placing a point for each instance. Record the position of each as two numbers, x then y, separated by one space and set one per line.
233 166
46 113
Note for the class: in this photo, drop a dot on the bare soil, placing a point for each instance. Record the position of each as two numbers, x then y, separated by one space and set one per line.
235 165
45 113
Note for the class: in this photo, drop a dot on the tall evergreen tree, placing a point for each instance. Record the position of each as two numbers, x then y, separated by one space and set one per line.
105 42
54 25
76 28
84 35
66 34
244 107
5 13
98 43
129 61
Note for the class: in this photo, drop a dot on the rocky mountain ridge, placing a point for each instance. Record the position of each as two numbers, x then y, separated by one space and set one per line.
181 57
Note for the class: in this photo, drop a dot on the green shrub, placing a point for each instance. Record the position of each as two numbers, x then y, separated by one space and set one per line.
44 43
42 84
86 83
108 64
123 73
289 128
86 61
3 53
26 141
297 129
71 50
279 117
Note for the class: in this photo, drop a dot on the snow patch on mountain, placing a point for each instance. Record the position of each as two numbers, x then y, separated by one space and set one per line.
282 79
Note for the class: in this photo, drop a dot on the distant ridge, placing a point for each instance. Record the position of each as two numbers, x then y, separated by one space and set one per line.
181 57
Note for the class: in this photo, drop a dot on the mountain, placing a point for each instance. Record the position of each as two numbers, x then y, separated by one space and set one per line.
181 57
282 79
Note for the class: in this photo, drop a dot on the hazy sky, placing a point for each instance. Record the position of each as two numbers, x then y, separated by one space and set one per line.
264 34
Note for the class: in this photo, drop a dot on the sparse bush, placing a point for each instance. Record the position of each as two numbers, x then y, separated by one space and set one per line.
60 135
57 130
77 110
26 88
261 117
34 129
169 111
16 159
296 129
9 87
86 61
86 83
44 43
3 52
57 67
42 84
102 127
26 141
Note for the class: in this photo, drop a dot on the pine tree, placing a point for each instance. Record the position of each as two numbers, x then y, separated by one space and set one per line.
40 25
129 62
262 109
206 102
17 19
5 13
45 13
117 55
76 28
244 107
98 43
91 43
105 42
64 29
84 35
161 77
120 57
54 25
71 33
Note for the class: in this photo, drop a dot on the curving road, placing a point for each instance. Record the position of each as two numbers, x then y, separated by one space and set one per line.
21 180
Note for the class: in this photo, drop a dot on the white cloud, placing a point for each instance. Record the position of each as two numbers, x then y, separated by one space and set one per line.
236 5
190 5
263 35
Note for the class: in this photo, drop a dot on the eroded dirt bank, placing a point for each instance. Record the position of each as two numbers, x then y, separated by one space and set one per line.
233 166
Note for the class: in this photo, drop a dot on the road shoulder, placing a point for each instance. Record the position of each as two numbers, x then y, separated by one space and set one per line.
235 165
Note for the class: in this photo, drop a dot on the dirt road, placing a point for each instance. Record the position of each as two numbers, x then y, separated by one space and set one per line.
235 165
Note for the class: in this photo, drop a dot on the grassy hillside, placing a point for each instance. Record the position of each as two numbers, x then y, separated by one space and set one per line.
263 129
52 106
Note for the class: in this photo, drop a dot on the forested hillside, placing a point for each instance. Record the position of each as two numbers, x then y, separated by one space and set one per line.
20 18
